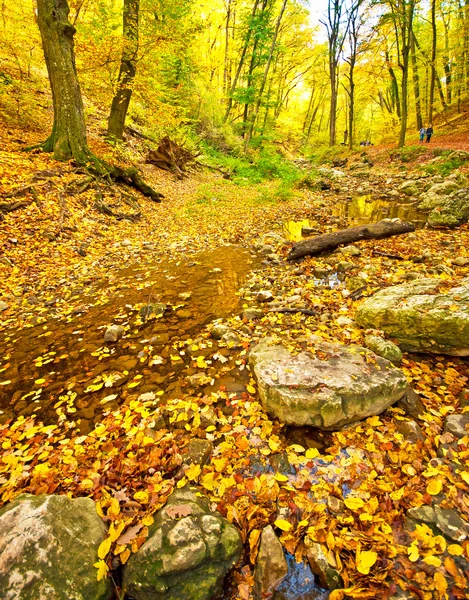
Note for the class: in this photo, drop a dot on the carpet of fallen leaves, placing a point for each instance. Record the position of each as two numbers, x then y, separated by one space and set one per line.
129 463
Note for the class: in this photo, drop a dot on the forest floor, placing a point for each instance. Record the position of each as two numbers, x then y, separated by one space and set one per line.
113 421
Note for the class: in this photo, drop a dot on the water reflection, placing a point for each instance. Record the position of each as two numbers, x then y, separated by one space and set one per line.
364 209
66 358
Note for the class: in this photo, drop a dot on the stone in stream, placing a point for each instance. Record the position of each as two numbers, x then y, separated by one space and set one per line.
457 425
3 306
113 333
48 545
188 552
420 318
409 188
271 565
328 577
156 309
344 385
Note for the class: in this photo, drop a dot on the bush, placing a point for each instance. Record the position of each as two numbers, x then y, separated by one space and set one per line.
445 167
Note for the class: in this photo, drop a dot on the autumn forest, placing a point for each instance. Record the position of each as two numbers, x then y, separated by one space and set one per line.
234 300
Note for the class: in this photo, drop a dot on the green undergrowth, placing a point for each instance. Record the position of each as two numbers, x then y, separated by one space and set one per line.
445 166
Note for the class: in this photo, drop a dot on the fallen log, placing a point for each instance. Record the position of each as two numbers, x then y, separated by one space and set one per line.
330 241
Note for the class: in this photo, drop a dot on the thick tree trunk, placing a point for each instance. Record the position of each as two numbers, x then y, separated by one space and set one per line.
330 241
68 137
127 71
431 101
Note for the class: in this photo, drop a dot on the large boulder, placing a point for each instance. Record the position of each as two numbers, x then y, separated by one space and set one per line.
187 555
452 211
420 318
340 385
48 545
434 196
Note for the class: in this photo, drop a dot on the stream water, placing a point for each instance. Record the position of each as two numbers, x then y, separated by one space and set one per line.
65 360
366 209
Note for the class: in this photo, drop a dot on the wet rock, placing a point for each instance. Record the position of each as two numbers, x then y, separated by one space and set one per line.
457 425
280 463
384 348
156 309
198 452
432 198
425 514
409 429
329 577
187 554
335 505
231 339
48 545
355 283
113 333
464 398
420 318
451 524
219 330
3 306
252 313
411 404
271 565
184 314
329 393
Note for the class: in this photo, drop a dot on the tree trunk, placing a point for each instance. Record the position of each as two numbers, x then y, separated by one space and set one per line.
330 241
226 68
416 79
127 71
264 79
431 100
68 137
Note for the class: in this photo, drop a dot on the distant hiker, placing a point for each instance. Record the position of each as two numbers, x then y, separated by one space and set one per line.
345 137
422 133
429 133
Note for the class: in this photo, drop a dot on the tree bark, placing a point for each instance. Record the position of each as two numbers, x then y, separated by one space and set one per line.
416 80
127 71
68 137
431 101
330 241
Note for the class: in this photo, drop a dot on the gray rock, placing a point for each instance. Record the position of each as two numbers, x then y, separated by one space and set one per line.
420 318
451 212
460 261
329 577
351 251
231 339
252 313
219 330
271 565
198 452
433 196
457 425
264 296
451 524
464 398
349 385
409 188
113 333
411 404
384 348
48 545
3 306
187 554
355 283
409 429
422 513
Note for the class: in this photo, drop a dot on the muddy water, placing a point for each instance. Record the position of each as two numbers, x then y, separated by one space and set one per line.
66 362
361 210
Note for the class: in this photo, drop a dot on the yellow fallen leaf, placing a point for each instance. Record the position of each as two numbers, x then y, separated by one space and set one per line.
283 525
148 520
141 497
354 503
193 472
434 487
39 381
434 561
124 556
104 547
455 550
365 560
440 583
280 477
312 453
413 552
251 389
464 476
102 569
